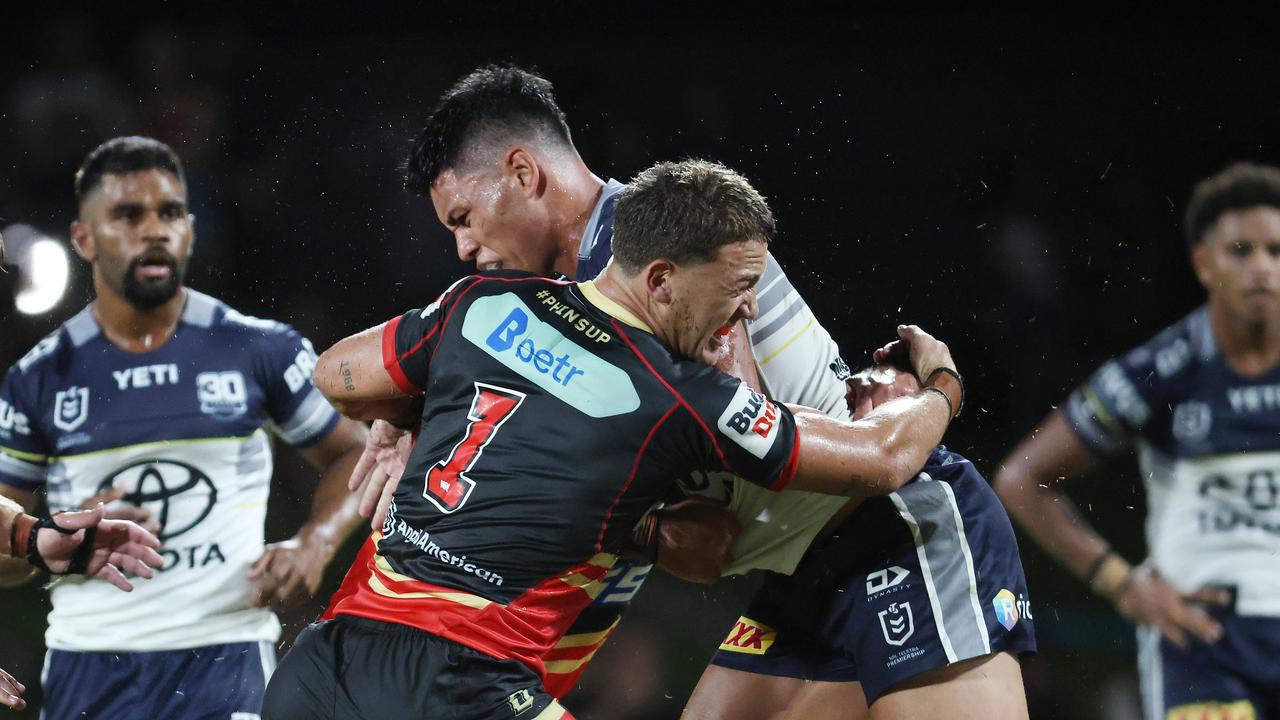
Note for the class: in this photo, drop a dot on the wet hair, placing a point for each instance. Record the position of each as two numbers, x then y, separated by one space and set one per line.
484 111
1239 186
684 212
124 155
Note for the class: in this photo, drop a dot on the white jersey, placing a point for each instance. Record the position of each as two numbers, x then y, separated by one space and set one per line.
1208 443
181 430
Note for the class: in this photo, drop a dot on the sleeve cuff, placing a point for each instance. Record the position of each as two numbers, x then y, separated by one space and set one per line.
391 361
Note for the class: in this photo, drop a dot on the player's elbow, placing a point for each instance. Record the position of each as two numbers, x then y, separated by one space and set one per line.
888 471
1010 481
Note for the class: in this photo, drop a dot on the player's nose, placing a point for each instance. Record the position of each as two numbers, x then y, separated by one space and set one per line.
467 247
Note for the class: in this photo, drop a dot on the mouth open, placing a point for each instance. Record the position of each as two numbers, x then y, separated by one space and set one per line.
155 265
496 265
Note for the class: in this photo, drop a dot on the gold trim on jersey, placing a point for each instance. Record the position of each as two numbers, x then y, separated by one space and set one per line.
192 441
593 295
592 588
1101 412
586 639
25 456
384 567
788 343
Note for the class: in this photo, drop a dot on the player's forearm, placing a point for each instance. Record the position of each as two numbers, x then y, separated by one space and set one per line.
334 511
1050 517
13 571
351 376
876 455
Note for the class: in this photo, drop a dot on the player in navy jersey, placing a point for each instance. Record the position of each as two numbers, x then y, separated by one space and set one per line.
1199 403
157 399
555 414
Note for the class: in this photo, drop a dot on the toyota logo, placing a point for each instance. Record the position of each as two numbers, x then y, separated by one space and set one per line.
178 495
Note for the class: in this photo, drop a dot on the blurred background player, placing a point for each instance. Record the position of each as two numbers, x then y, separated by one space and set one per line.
497 541
1200 403
81 542
155 399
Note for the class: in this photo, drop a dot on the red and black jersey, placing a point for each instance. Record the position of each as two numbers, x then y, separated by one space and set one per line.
553 419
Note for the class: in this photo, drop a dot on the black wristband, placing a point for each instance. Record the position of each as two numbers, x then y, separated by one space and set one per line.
928 381
79 559
951 411
1096 566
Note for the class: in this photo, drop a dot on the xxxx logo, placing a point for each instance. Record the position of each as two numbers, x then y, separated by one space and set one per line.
749 636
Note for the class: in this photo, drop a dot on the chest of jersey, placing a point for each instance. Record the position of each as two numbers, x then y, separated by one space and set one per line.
106 398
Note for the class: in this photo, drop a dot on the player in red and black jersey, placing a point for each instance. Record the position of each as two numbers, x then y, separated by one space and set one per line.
555 414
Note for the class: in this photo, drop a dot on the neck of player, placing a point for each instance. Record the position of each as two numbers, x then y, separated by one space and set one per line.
576 191
134 330
1251 347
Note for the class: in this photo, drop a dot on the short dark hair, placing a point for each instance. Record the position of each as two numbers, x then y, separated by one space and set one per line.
1240 185
124 155
492 103
684 212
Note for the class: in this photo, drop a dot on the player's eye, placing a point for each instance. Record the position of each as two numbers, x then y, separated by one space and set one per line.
1241 249
128 213
1273 249
171 211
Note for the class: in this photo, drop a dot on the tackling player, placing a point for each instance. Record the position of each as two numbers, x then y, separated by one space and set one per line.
499 164
1200 403
156 399
555 414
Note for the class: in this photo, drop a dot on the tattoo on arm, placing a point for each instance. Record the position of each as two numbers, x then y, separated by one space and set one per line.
347 382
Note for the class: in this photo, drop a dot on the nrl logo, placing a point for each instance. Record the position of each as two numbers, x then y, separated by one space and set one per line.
896 623
71 408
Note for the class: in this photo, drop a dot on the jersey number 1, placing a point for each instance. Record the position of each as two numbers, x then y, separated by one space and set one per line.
448 486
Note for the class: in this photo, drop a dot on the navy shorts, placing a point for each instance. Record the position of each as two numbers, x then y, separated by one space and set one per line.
1236 678
357 669
225 682
908 583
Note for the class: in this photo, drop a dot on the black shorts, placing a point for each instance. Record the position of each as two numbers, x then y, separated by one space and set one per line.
352 668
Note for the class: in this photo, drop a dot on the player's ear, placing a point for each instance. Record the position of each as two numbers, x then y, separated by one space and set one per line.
657 280
1200 263
522 167
191 246
82 241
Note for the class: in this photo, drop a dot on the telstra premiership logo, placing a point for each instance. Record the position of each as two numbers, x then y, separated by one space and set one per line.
508 331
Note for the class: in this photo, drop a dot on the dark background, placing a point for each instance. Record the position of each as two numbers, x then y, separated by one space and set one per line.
1013 182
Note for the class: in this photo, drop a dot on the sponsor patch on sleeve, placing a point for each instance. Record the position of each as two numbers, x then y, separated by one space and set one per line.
751 421
749 636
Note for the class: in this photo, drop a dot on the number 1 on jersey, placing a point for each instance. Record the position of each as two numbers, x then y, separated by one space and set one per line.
448 486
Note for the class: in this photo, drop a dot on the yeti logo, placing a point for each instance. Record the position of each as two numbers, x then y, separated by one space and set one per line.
896 623
179 496
71 408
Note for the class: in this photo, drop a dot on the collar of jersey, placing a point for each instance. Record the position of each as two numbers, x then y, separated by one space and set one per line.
593 295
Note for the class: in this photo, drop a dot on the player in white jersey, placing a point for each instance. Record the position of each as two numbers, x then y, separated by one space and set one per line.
158 399
498 163
1200 403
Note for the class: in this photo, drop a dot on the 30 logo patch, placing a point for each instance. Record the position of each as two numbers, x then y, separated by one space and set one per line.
751 421
749 636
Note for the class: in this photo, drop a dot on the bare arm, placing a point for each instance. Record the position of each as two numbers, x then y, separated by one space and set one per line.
13 571
351 375
291 571
1028 483
880 452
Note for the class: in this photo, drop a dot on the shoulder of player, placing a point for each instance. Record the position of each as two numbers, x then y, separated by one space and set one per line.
209 313
43 356
1176 350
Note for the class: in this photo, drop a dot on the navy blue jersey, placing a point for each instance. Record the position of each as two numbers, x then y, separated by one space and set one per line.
553 420
1208 442
181 429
